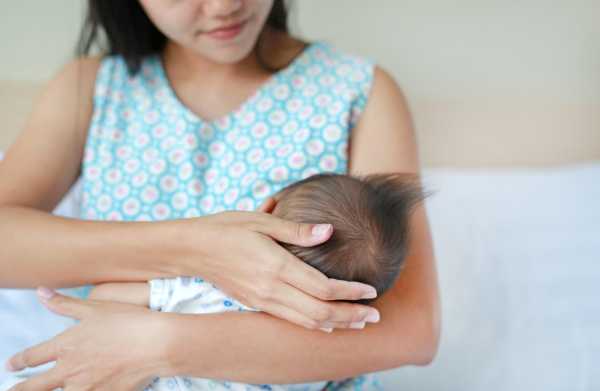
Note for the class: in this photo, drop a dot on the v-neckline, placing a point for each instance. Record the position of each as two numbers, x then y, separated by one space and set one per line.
272 79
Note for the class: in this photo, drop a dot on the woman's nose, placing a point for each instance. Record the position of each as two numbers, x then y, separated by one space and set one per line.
220 8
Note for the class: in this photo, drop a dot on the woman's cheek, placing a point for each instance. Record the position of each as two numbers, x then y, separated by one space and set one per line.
174 18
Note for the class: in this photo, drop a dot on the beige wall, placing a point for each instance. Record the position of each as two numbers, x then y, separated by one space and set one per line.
490 83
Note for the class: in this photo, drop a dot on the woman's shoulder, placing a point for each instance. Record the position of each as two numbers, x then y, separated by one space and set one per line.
336 56
325 62
289 50
82 70
113 68
76 78
357 68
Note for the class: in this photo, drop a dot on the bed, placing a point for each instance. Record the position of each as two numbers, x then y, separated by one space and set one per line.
518 257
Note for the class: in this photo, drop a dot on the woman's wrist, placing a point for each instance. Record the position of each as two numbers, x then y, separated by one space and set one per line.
169 355
141 251
163 355
170 250
186 246
196 244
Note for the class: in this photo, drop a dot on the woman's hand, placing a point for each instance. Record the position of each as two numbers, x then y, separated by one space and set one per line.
108 349
241 258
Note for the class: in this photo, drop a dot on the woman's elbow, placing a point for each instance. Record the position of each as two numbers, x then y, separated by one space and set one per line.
429 334
429 347
418 340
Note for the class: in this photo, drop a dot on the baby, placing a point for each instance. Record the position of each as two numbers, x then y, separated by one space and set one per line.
370 240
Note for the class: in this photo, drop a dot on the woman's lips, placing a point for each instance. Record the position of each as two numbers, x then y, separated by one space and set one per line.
228 32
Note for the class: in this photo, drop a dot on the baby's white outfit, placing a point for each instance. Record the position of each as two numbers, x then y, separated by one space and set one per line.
193 295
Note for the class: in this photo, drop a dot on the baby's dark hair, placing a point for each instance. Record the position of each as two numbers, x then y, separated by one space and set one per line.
370 217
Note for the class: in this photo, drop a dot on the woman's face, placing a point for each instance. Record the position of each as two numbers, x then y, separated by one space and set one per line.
198 25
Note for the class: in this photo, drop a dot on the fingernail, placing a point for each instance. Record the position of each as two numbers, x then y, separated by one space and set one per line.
369 294
327 329
45 293
373 317
357 325
9 367
320 229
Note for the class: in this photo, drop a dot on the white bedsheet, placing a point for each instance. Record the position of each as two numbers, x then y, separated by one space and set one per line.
518 256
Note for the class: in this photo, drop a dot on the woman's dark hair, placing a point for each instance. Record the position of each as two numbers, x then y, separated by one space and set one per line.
131 34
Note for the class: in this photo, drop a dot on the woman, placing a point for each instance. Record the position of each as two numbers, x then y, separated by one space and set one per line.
214 58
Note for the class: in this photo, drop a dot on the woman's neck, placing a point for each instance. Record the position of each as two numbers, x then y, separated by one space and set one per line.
183 61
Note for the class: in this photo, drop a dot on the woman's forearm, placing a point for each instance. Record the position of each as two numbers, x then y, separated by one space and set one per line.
254 347
43 249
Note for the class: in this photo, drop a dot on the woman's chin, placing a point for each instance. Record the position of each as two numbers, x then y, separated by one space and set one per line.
224 54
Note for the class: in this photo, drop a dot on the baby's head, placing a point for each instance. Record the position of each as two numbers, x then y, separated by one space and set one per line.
370 217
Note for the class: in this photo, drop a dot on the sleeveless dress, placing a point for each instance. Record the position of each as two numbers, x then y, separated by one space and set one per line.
148 157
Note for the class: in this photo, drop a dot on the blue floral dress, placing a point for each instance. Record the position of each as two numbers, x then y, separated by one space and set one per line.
148 157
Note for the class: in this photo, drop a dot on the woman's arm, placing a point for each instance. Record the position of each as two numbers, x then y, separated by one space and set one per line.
42 249
39 248
257 348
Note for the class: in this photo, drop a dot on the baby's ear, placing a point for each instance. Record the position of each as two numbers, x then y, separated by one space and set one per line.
268 205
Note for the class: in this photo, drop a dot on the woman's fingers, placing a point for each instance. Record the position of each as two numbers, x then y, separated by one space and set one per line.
343 325
300 234
42 353
283 312
47 351
307 284
348 290
47 381
312 281
267 206
63 305
326 313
